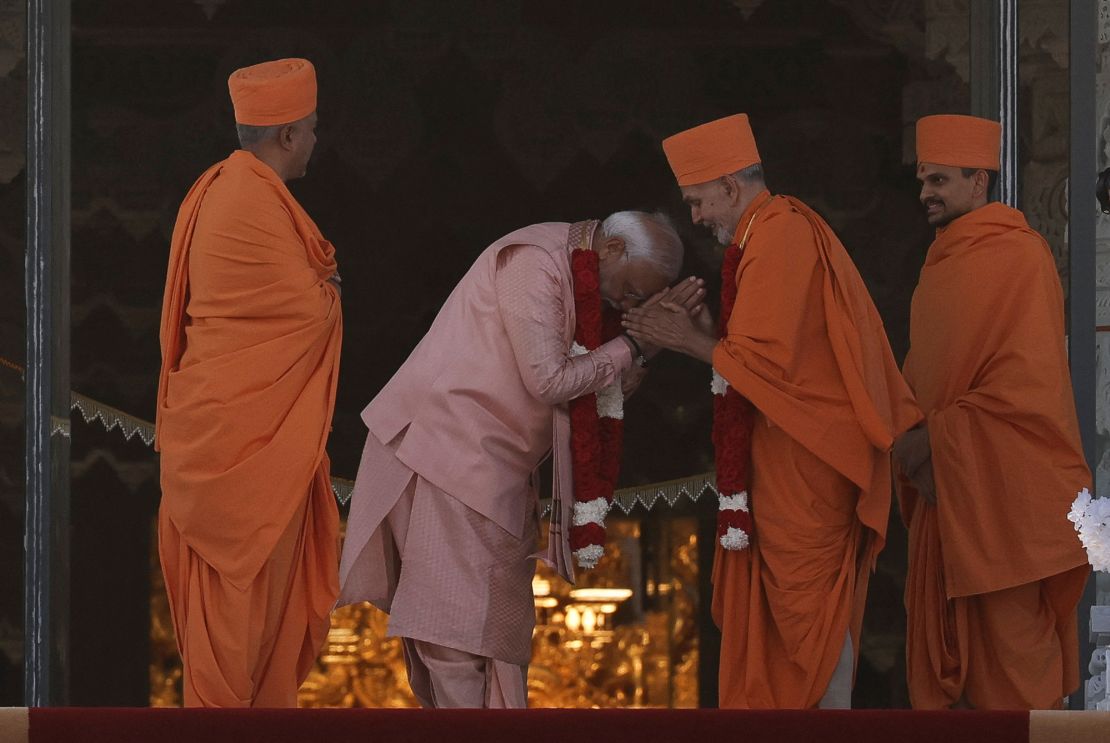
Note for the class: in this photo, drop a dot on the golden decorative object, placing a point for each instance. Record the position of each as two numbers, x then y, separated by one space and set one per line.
625 636
165 665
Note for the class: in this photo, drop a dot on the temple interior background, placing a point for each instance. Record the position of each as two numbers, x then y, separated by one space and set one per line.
444 125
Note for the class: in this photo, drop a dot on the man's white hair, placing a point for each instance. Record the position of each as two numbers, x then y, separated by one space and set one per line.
647 237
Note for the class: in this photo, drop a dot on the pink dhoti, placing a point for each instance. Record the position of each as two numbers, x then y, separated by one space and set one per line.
457 587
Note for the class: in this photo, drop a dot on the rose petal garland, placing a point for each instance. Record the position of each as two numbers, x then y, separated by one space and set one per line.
733 418
596 420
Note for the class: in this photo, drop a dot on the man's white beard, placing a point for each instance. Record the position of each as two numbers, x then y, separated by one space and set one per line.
724 237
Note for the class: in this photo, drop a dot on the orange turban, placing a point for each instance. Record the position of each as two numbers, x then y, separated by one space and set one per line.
959 141
271 93
711 150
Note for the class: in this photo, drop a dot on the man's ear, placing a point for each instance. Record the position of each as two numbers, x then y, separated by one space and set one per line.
982 183
731 188
611 247
285 137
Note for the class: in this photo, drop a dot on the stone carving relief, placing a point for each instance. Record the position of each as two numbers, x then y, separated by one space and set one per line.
13 86
1044 26
900 23
947 34
13 35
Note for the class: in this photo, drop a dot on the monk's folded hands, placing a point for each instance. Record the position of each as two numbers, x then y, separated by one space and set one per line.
671 326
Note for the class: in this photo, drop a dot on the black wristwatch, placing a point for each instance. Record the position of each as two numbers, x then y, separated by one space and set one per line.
640 358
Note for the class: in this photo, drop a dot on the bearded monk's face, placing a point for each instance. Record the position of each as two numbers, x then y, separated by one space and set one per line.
716 207
946 193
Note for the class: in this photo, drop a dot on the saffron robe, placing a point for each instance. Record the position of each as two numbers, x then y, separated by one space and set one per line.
989 367
248 527
806 346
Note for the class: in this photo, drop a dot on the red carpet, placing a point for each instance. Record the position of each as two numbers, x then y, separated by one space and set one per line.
73 725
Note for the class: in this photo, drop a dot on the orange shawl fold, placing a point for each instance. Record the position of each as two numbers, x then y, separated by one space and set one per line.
250 335
989 367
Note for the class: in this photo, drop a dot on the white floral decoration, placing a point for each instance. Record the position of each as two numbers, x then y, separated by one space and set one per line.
734 539
588 556
610 400
1091 517
736 502
719 386
590 512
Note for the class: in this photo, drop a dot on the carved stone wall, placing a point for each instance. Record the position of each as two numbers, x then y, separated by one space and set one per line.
1096 695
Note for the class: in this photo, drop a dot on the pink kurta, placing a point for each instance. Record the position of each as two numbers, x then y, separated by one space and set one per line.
469 417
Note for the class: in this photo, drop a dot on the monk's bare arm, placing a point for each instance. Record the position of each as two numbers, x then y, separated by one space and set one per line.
530 299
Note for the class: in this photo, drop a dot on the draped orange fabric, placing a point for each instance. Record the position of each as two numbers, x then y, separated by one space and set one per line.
806 346
989 367
248 526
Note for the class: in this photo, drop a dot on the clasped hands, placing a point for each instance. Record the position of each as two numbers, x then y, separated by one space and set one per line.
913 455
676 319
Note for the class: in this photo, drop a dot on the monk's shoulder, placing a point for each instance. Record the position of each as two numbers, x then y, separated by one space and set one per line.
783 233
239 194
1031 249
1017 255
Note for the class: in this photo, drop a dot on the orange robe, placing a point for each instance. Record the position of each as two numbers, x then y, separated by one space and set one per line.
248 527
806 346
995 568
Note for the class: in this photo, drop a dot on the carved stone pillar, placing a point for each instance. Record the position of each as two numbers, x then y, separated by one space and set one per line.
1099 636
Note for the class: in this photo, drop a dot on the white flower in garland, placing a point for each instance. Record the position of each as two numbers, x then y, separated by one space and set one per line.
733 538
589 556
591 512
737 502
610 399
1091 517
718 386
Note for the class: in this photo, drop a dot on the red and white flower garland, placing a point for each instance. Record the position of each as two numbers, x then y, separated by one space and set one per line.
733 417
596 420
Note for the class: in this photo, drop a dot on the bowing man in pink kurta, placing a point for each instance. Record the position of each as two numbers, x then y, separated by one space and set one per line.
443 523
